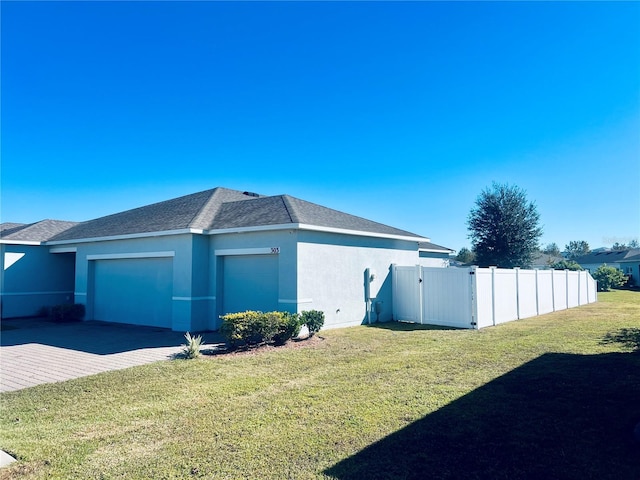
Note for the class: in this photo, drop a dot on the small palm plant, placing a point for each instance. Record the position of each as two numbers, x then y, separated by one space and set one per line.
192 347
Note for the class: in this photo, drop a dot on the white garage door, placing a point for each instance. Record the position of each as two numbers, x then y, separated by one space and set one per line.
250 283
134 291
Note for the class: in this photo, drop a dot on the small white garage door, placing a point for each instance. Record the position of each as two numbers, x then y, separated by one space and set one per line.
250 283
136 291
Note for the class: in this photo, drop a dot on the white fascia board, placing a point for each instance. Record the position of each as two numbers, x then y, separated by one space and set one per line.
360 233
316 228
247 251
181 231
63 250
436 250
120 256
20 242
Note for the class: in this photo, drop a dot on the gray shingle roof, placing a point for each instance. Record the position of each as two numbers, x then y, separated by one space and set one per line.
35 232
612 256
222 208
189 211
433 247
284 209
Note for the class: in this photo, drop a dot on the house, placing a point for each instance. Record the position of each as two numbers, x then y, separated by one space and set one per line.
182 263
628 261
30 277
432 255
543 261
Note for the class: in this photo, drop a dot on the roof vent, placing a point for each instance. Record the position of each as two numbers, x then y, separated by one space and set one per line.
250 194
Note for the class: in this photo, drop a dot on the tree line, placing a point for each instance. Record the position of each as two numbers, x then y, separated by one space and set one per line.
504 229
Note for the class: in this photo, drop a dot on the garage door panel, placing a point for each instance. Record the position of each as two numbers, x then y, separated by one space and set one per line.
250 283
137 291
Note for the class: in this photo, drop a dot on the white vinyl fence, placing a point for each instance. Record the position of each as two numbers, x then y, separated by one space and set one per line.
480 297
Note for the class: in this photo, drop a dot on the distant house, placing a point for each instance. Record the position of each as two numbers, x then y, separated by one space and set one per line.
544 261
432 255
628 261
183 262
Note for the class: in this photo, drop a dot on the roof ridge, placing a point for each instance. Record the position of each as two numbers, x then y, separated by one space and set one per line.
290 207
202 211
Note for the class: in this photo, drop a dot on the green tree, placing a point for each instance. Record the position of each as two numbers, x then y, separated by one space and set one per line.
504 227
619 246
566 265
576 248
608 278
551 249
465 255
634 243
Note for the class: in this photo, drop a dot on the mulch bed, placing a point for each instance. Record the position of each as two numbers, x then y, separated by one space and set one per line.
311 342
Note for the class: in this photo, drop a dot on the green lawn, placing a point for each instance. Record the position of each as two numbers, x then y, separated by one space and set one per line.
550 397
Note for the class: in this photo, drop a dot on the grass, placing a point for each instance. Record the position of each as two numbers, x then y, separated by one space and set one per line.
549 397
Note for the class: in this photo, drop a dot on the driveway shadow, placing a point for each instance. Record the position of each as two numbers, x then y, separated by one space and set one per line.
559 416
100 338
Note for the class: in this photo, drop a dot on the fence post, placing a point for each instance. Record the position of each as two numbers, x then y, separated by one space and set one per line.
420 292
537 294
493 295
474 297
394 288
517 269
553 289
566 282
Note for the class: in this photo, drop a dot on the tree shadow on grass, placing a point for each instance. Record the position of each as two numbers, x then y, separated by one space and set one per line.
408 326
629 337
559 416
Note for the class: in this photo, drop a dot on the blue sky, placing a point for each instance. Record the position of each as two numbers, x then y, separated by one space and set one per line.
400 112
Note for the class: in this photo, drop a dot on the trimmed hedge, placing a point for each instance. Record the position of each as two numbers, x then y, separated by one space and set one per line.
254 328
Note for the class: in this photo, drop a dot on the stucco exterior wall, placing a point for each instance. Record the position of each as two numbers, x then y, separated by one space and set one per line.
34 280
281 243
180 248
331 275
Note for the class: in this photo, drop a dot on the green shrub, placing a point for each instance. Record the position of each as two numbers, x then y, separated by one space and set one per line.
235 326
313 319
608 278
192 347
68 312
254 328
288 327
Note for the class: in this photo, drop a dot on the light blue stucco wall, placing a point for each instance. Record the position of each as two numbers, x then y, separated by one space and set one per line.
37 279
246 244
180 247
315 270
331 275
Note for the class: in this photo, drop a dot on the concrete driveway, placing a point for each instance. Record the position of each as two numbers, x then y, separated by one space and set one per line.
36 351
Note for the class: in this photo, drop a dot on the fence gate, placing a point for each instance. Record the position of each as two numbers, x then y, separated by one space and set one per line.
406 293
431 295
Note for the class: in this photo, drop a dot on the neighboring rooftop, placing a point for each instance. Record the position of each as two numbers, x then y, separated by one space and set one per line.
432 247
220 209
41 231
611 256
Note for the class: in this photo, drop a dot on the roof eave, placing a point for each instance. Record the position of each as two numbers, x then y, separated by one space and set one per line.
129 236
316 228
5 241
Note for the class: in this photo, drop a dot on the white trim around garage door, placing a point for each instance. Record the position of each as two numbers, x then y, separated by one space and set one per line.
192 299
248 251
117 256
